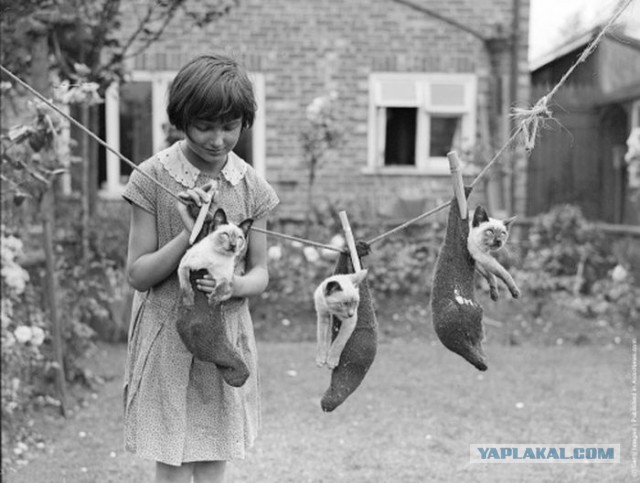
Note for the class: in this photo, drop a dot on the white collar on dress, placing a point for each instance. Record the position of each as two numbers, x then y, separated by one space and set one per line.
186 173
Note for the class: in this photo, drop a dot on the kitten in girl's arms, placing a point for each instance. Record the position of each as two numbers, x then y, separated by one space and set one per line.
217 253
337 296
489 235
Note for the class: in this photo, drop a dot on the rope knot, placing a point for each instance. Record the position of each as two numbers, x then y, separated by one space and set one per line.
529 120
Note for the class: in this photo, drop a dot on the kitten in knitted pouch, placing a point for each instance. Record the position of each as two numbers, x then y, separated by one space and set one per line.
337 296
489 235
217 253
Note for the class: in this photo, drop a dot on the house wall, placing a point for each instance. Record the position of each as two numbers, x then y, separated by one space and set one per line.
307 48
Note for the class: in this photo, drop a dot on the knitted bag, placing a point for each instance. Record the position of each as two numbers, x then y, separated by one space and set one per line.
457 317
360 350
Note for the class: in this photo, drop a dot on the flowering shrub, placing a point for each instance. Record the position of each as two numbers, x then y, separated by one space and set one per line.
321 133
572 263
617 296
400 265
404 265
565 253
295 270
24 335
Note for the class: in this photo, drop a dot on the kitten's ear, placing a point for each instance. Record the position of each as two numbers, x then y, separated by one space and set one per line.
358 277
479 216
219 218
245 226
509 221
331 287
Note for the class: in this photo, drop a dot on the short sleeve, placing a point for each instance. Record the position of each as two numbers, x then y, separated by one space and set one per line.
264 197
140 190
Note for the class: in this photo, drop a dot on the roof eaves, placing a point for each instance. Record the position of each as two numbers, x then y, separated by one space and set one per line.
578 42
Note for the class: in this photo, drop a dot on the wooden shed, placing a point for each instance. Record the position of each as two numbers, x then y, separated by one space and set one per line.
579 155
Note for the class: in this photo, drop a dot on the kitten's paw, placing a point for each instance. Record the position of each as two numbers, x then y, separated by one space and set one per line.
221 292
332 362
321 361
494 294
515 292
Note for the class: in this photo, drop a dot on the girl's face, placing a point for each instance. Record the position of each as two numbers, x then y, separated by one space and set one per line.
211 141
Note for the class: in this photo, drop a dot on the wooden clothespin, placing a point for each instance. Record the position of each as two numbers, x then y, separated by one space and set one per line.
348 234
202 214
458 183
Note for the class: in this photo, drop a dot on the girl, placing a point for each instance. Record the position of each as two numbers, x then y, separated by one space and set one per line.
178 410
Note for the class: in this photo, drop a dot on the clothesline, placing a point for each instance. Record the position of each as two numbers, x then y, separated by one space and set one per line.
528 121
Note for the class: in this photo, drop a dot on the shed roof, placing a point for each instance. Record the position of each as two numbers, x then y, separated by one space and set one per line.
579 42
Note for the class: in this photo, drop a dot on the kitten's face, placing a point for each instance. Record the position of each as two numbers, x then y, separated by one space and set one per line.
342 295
488 233
227 237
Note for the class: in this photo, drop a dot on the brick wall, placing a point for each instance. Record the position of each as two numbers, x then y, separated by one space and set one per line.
306 48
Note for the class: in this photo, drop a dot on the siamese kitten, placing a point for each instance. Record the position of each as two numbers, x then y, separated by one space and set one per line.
489 235
217 253
337 295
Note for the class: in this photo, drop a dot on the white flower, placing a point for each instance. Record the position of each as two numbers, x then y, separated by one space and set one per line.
23 334
10 248
275 252
619 274
337 241
311 254
315 108
15 277
37 336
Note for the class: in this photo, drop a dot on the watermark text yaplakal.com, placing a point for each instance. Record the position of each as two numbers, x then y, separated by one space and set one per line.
544 453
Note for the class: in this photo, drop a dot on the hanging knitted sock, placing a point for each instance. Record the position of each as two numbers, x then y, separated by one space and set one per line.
457 317
360 350
202 327
203 330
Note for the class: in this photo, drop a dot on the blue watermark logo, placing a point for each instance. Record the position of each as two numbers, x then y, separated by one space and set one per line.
544 453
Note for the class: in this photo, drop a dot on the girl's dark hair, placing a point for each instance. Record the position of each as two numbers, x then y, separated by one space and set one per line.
211 87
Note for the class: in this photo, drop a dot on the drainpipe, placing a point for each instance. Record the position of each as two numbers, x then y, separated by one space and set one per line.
513 91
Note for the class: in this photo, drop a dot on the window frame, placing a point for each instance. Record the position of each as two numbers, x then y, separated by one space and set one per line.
422 84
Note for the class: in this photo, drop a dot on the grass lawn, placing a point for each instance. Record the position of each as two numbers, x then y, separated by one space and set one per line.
412 419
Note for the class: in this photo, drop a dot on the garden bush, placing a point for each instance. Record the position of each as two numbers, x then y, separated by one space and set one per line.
570 261
92 304
564 253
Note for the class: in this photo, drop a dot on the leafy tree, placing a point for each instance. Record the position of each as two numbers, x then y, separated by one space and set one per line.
82 33
86 47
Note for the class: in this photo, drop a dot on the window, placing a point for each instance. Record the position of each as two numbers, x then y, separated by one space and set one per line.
416 119
135 123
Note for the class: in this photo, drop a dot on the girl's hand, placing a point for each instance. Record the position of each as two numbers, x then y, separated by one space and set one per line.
207 285
196 196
